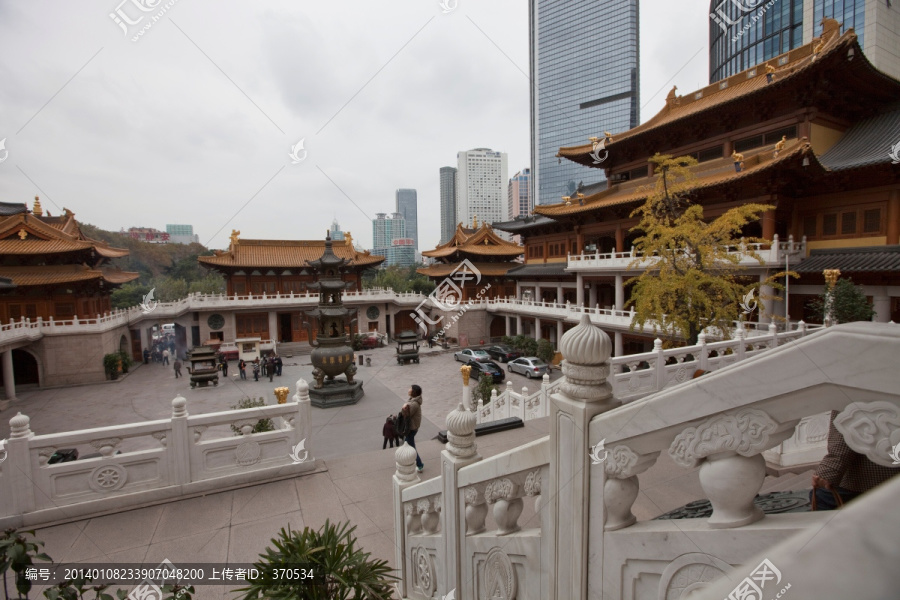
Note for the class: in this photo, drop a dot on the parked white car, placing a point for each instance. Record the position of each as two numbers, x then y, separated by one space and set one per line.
468 355
529 366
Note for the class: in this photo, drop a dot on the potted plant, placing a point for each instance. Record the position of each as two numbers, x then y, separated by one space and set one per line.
126 360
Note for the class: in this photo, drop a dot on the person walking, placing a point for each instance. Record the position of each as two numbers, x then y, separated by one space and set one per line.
270 367
412 410
278 365
224 366
389 432
256 370
165 356
177 368
241 367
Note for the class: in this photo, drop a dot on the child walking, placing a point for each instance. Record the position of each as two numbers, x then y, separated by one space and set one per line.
389 432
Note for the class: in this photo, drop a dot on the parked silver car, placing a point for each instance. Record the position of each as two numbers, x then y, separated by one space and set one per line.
468 355
529 366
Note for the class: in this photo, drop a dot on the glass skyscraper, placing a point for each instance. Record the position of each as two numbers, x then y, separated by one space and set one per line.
585 80
519 194
448 203
407 207
744 33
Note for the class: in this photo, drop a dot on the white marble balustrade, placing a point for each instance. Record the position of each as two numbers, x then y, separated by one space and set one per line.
131 470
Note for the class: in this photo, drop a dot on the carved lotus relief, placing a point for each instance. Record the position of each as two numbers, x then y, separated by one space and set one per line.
871 428
745 432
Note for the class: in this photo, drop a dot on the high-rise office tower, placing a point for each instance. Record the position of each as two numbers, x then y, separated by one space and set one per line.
519 194
385 230
745 33
481 181
584 81
448 203
336 233
406 206
182 234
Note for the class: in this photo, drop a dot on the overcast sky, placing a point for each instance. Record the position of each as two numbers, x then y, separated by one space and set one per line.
194 122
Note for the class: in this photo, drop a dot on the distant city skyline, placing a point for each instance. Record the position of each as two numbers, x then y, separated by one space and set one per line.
519 199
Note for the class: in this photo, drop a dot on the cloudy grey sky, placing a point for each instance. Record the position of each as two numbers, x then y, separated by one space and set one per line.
194 122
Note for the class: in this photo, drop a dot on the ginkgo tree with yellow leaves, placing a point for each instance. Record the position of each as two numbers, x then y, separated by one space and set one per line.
690 279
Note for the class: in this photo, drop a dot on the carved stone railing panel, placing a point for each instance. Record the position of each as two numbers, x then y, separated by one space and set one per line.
504 495
429 510
727 447
476 509
412 520
106 447
622 466
424 574
871 428
532 487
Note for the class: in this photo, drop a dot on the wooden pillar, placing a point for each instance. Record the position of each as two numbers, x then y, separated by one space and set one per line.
620 238
893 218
768 224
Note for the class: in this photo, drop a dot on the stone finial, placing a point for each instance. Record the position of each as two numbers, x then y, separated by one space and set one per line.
405 457
179 407
461 432
585 344
19 426
466 371
586 350
302 394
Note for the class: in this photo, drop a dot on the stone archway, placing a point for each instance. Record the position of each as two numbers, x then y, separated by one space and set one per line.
25 367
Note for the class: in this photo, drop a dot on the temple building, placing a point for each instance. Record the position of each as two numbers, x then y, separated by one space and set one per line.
256 269
812 132
57 271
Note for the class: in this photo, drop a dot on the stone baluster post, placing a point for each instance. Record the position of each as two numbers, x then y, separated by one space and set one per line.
584 393
17 468
703 355
303 424
459 452
660 364
545 396
180 441
404 476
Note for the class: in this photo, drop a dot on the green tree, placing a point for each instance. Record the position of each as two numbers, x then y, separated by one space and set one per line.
849 303
528 346
690 280
545 351
483 390
261 425
399 279
128 295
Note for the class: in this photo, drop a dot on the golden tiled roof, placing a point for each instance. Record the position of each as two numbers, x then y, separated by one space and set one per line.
28 234
285 254
713 97
491 269
709 174
482 242
58 274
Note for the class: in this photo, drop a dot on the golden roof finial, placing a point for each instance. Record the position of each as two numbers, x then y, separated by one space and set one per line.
348 237
37 210
235 236
22 233
831 276
475 221
567 200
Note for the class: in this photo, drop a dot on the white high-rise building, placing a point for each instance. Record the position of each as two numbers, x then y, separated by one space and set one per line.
482 177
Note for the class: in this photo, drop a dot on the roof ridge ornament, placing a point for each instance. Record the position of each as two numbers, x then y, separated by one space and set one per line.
37 210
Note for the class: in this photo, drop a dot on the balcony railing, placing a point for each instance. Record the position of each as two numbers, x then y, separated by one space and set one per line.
772 254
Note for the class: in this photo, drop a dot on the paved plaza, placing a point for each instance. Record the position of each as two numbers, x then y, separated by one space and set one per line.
352 481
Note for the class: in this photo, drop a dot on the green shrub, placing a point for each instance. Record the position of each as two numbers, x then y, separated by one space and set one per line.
526 345
262 424
356 342
850 303
483 389
544 351
111 364
340 570
125 357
